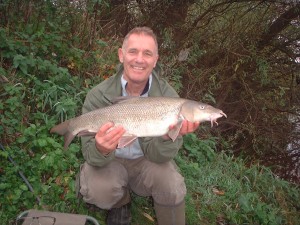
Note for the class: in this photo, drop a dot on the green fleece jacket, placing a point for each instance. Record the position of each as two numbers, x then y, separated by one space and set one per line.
155 149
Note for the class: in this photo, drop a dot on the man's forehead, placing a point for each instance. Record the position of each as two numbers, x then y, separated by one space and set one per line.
135 39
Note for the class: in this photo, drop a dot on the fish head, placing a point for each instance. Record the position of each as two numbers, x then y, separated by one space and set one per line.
199 112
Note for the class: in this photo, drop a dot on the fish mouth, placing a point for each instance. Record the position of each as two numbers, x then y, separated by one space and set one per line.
214 117
223 114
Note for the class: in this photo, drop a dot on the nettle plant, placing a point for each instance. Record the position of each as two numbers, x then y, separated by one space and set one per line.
46 85
39 94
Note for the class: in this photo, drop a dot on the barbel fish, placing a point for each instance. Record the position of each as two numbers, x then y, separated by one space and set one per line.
140 117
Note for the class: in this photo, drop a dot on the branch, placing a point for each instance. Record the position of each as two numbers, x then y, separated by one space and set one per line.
282 22
213 8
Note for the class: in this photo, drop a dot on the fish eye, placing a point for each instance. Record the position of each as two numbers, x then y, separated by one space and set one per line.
202 107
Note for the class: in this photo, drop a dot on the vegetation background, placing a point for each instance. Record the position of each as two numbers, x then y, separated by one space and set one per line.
241 56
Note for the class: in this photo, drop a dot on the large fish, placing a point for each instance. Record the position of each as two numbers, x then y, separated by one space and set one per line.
140 117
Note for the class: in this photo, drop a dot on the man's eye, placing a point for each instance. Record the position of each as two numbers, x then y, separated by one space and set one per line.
148 53
132 51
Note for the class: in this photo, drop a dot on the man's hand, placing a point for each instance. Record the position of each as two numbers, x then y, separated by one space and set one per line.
187 127
107 138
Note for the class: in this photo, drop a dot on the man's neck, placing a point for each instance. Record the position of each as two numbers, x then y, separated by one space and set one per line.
135 89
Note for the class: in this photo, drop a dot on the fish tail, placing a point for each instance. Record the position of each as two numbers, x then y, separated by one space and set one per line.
62 129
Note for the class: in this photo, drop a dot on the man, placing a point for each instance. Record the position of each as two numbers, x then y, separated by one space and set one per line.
146 167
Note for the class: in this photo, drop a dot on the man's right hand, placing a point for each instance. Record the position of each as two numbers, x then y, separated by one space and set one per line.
107 138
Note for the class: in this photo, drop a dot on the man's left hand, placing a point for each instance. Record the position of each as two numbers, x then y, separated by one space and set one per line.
187 127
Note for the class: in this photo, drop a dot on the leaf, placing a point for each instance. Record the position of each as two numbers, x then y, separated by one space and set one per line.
3 154
19 61
101 43
23 187
21 139
245 202
2 71
4 186
42 142
148 216
218 192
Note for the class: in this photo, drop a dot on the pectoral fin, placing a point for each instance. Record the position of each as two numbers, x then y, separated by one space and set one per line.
126 141
173 133
86 133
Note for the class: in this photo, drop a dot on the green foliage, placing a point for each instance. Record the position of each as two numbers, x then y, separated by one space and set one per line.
207 148
51 63
223 189
263 71
41 92
228 65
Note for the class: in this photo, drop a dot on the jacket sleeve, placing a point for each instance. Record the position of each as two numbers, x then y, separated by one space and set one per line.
90 153
159 150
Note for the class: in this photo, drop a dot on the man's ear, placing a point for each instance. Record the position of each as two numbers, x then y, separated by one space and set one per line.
156 61
120 54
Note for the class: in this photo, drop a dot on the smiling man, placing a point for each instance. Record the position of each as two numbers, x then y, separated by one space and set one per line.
139 55
146 167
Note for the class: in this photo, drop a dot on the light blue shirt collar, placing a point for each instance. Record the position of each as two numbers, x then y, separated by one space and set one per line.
124 83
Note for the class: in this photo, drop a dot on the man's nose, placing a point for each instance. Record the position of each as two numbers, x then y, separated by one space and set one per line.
139 57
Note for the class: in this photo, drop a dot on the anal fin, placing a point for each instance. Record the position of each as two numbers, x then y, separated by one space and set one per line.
126 141
173 133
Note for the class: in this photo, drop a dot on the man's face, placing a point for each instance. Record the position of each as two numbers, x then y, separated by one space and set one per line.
139 57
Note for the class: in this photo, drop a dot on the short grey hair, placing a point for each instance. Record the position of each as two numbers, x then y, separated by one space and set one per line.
140 30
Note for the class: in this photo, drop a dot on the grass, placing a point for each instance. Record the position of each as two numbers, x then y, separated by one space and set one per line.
226 191
221 190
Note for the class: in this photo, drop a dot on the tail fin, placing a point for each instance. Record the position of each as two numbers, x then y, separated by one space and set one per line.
62 129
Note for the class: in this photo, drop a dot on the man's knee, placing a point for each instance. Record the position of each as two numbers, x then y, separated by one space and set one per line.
168 187
103 187
169 193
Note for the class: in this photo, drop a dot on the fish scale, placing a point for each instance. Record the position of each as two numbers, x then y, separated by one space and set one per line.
140 117
151 115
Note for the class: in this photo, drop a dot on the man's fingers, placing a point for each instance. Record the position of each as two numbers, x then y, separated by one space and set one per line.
195 126
103 130
188 127
115 135
108 136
